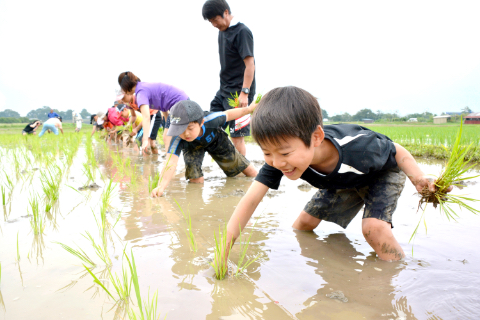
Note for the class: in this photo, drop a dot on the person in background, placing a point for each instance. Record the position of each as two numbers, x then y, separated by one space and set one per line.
31 127
118 116
97 120
149 99
52 124
52 114
237 65
77 119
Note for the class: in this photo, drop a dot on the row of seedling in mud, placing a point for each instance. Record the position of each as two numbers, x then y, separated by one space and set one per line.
122 293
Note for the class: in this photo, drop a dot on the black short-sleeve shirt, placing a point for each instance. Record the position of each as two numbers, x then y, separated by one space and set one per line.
234 45
212 127
362 155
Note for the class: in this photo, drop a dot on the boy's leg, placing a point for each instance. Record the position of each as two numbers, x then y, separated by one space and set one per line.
155 123
238 135
381 198
250 171
229 159
306 222
379 235
193 164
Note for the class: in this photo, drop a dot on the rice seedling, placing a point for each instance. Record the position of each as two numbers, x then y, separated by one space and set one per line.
18 249
89 172
37 221
452 175
9 181
147 309
188 231
153 182
77 253
100 250
234 103
3 195
50 179
243 251
220 260
0 272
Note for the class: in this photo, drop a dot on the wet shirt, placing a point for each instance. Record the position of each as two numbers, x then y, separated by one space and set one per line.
234 45
158 96
212 128
362 155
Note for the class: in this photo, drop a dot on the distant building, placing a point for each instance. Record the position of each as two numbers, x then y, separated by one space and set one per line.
412 120
472 118
368 120
441 119
453 113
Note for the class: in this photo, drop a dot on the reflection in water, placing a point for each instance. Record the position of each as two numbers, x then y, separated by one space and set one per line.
365 281
37 247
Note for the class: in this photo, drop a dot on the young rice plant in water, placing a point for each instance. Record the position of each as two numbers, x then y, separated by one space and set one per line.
220 259
452 175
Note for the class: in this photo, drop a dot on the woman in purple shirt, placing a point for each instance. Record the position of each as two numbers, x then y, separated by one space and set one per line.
149 99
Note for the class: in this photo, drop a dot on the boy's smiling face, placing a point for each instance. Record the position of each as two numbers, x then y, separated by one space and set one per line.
193 131
291 155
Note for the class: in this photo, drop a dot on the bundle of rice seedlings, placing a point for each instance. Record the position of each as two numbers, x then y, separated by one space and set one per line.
220 260
234 103
452 175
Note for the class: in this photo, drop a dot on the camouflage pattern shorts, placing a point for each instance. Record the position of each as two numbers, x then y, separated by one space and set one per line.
222 151
341 205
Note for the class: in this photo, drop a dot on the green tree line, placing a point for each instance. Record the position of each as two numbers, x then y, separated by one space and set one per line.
12 116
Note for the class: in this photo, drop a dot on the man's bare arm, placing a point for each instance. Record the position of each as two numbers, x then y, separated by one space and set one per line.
247 80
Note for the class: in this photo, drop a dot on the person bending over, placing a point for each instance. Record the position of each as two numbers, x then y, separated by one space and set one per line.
195 132
149 99
31 128
351 166
52 124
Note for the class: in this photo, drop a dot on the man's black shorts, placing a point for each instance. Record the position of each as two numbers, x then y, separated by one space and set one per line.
220 103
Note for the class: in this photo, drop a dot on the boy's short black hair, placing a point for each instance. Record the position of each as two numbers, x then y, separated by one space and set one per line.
286 112
213 8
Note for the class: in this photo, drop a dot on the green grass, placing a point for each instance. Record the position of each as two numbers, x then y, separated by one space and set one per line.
153 182
3 195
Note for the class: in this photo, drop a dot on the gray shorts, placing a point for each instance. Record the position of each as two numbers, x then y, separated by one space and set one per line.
341 205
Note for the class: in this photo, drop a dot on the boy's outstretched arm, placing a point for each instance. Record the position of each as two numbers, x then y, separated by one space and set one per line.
244 211
167 174
407 164
236 113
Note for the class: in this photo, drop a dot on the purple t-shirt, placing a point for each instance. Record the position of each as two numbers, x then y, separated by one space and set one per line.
158 96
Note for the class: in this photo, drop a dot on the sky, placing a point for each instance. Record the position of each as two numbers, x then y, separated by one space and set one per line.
405 57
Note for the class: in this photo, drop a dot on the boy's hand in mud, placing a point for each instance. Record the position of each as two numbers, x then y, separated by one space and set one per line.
425 181
157 192
133 133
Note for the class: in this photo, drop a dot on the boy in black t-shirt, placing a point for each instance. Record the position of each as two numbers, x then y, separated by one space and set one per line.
195 132
237 65
352 166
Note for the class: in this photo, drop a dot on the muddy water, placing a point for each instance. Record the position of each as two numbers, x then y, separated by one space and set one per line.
331 273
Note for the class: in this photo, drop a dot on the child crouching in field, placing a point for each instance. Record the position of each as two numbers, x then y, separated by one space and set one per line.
195 132
351 166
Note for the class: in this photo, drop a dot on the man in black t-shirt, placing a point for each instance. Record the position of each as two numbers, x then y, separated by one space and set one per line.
195 132
237 65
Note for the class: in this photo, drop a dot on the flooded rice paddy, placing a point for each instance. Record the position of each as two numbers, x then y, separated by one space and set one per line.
331 273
